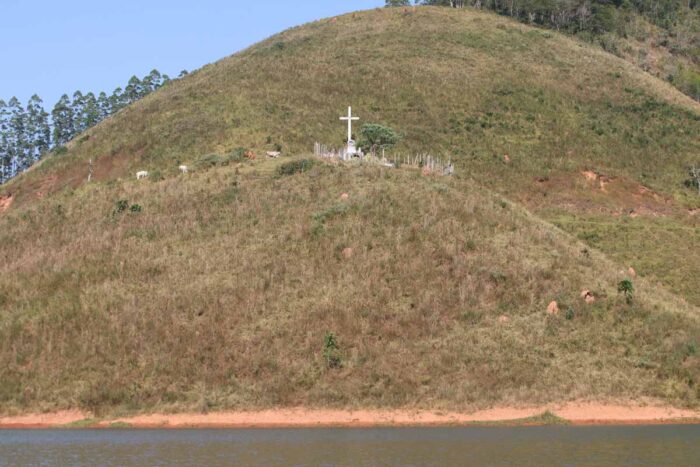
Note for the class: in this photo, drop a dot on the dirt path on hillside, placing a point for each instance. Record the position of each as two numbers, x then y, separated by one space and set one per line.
575 413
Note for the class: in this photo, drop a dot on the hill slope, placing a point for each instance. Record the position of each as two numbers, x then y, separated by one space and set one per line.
221 289
469 84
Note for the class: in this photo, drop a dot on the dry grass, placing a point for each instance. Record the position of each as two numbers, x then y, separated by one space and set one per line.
469 84
219 294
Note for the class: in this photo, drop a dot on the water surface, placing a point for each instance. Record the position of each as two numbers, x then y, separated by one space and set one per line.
676 445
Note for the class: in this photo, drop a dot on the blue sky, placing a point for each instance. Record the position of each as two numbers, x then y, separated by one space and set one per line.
55 47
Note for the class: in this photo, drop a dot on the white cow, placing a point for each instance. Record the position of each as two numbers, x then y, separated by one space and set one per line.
183 169
141 174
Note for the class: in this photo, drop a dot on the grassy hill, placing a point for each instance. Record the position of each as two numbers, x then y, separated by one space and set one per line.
218 289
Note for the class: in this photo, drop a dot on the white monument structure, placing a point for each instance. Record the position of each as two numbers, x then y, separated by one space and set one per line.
352 150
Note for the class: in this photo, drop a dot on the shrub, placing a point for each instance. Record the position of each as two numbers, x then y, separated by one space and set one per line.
236 155
377 137
570 313
121 206
135 208
294 167
337 209
210 160
156 176
625 287
331 351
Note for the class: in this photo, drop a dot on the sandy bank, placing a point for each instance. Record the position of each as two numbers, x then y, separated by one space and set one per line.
575 413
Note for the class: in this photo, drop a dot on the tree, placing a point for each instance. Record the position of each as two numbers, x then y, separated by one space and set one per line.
450 3
376 136
38 128
63 121
78 113
390 3
91 112
116 101
4 142
104 104
19 141
27 133
133 91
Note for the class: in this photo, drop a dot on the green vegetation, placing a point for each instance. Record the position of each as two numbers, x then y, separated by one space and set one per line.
295 166
331 351
221 292
376 136
544 419
28 133
659 36
626 288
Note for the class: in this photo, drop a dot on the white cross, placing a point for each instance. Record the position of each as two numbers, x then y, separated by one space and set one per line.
349 118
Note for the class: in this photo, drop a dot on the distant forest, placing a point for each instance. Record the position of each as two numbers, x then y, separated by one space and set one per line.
633 29
28 132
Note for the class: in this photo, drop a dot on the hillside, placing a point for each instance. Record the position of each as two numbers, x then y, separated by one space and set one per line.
220 290
660 37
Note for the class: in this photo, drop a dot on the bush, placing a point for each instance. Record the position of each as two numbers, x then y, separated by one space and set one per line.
322 216
121 206
237 155
331 351
156 176
208 161
135 208
294 167
570 313
625 287
376 136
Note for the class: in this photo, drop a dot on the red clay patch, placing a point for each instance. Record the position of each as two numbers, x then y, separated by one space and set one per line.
598 193
6 202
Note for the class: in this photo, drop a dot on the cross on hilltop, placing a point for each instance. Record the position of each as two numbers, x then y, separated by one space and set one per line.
351 143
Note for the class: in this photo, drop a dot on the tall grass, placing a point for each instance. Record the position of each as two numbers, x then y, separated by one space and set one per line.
203 299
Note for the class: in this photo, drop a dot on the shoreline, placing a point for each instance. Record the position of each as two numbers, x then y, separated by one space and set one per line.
565 414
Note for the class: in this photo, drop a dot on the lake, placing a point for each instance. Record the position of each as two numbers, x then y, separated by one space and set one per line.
675 445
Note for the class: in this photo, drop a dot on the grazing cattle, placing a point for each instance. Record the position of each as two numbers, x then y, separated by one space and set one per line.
183 169
141 174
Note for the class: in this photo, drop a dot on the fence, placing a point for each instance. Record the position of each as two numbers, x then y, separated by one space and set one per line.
425 162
